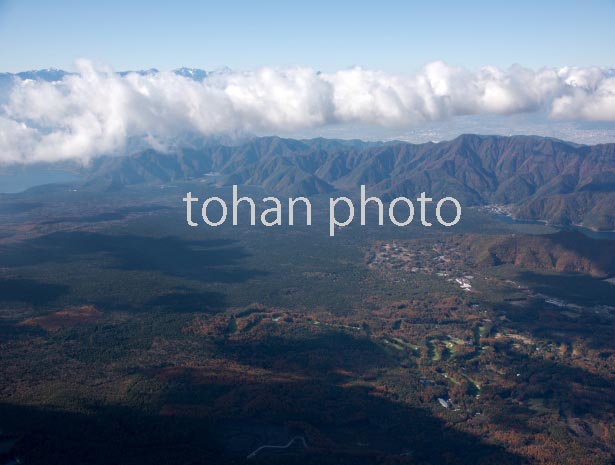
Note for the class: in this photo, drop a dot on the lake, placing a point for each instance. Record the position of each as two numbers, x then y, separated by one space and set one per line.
21 179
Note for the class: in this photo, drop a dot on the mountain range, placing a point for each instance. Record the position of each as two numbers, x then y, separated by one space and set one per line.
533 177
54 74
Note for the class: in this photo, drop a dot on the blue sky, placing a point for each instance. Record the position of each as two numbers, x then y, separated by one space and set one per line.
395 37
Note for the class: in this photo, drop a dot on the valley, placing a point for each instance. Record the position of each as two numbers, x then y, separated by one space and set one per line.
128 336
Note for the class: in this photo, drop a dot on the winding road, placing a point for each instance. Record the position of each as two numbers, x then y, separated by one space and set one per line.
267 446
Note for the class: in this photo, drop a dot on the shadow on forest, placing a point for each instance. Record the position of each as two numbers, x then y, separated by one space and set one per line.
360 425
222 416
341 424
566 325
309 355
205 261
30 291
119 214
576 288
186 300
110 434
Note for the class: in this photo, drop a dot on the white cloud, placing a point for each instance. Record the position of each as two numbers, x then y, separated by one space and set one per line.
590 95
97 111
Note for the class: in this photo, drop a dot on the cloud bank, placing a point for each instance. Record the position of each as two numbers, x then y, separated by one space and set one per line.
96 111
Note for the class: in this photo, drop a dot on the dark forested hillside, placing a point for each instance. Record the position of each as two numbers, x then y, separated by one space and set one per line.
565 251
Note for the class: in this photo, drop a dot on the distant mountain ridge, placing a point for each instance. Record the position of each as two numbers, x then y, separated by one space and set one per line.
53 74
537 178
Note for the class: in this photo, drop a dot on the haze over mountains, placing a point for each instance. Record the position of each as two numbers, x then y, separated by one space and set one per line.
536 178
54 74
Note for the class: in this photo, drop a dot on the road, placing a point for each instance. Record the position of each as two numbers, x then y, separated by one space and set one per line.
267 446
